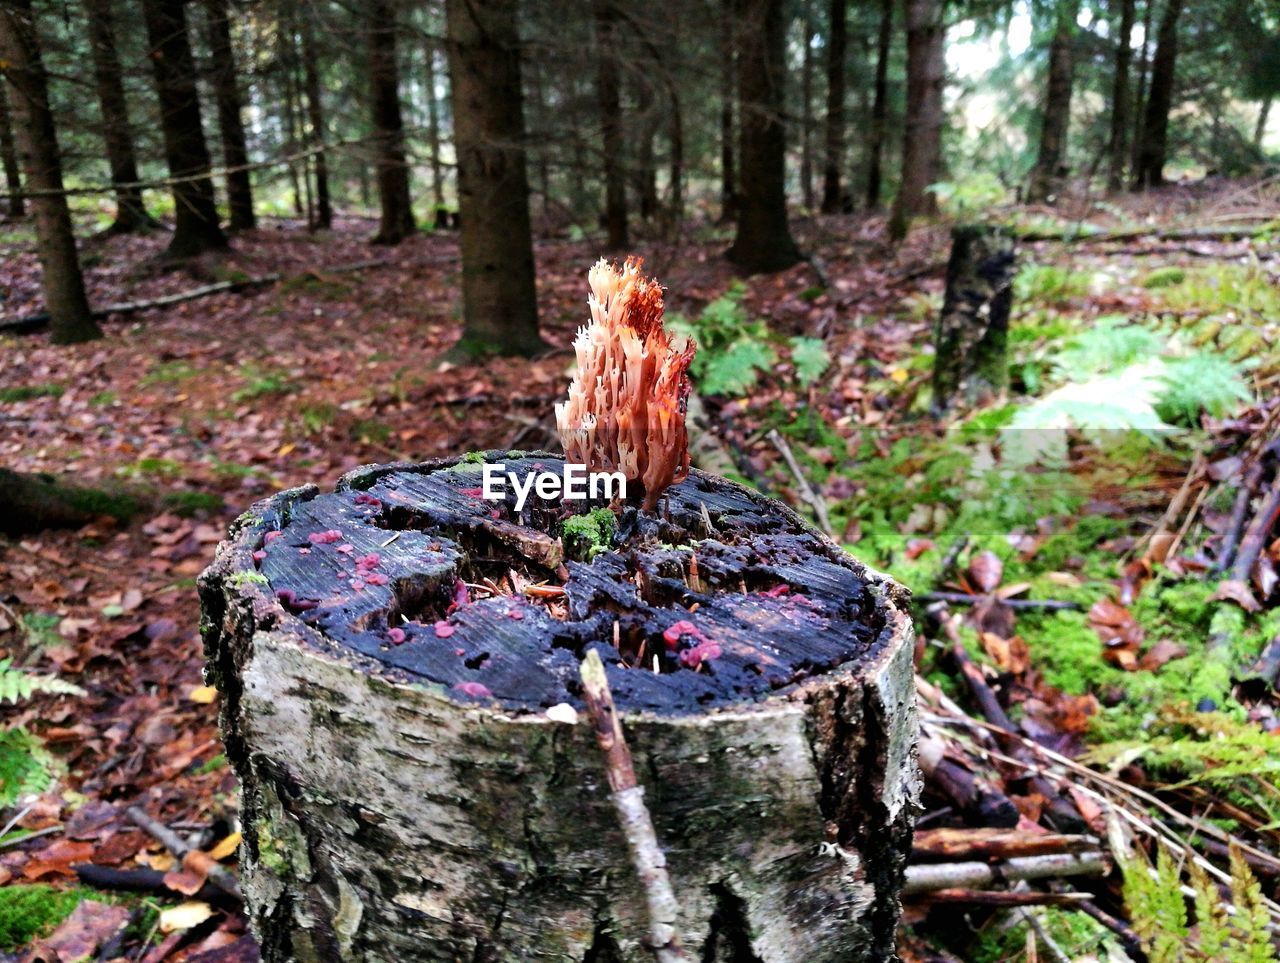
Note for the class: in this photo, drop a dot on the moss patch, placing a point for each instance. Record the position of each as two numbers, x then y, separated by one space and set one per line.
32 912
587 535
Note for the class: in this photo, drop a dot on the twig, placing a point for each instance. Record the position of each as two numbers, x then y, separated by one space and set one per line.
962 598
813 499
633 816
220 876
927 877
1000 897
146 881
34 834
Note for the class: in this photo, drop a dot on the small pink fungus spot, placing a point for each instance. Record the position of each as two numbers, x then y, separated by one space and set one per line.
366 499
474 689
376 578
259 555
472 492
700 653
271 537
443 629
357 584
346 548
304 551
325 538
673 633
776 591
395 635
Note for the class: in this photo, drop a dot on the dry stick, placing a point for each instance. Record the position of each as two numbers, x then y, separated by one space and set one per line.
961 598
1239 514
220 876
813 499
1000 897
633 815
988 844
1256 536
927 877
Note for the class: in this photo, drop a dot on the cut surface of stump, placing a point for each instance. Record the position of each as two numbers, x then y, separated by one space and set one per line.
399 662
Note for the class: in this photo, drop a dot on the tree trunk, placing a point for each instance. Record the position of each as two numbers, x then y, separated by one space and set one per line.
117 131
1149 171
23 66
833 153
433 126
922 128
196 227
384 99
1260 130
9 157
728 93
1047 175
677 163
34 503
646 171
287 55
235 152
971 333
807 35
500 310
315 118
435 809
880 107
763 241
1118 144
1140 97
609 102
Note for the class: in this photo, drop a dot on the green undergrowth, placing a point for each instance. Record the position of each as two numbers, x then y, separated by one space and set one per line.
32 911
1074 932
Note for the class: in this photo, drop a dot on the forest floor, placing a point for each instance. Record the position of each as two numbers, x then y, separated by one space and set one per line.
212 404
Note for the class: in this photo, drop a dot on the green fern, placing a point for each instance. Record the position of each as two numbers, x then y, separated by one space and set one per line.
1252 936
1200 382
17 686
810 358
1110 345
25 765
735 371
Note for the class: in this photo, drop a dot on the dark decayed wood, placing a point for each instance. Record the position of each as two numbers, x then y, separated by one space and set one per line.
417 784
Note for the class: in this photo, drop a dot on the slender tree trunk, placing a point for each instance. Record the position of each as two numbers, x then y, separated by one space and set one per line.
287 55
806 107
1046 176
833 154
677 163
500 310
1260 131
315 118
1140 98
196 227
728 93
117 132
1118 144
879 106
1149 171
609 103
544 164
922 133
763 241
388 125
63 283
433 126
9 157
646 174
226 88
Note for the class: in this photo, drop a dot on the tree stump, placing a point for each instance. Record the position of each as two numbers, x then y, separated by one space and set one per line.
971 334
398 662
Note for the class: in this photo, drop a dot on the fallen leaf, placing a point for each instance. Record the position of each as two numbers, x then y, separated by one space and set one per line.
203 694
184 916
985 571
90 925
229 845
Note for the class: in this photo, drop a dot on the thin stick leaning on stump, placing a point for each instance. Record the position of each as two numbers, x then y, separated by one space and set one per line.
633 815
219 876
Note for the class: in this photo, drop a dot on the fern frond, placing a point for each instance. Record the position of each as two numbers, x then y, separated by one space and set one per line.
1213 923
1252 943
17 686
24 766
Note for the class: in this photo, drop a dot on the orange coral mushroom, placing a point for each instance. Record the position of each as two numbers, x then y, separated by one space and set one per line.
626 405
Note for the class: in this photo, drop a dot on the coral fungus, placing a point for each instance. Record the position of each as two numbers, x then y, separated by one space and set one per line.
626 405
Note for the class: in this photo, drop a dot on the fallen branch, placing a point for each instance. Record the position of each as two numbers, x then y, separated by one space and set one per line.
633 815
812 498
147 881
999 897
219 875
972 795
929 877
962 598
988 843
1230 233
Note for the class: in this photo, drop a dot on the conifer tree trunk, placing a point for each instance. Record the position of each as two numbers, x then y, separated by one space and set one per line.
879 106
1046 176
646 173
806 107
609 102
196 227
833 154
500 311
384 97
677 162
235 152
922 128
763 242
1260 130
1140 96
1118 143
433 126
728 93
37 138
1149 170
117 132
315 119
9 158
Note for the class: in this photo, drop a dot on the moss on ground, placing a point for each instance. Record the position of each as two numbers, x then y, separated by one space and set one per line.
33 911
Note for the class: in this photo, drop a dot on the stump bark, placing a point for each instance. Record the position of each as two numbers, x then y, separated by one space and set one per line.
398 662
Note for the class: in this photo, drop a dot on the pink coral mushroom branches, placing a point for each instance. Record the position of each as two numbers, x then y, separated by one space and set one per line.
626 406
